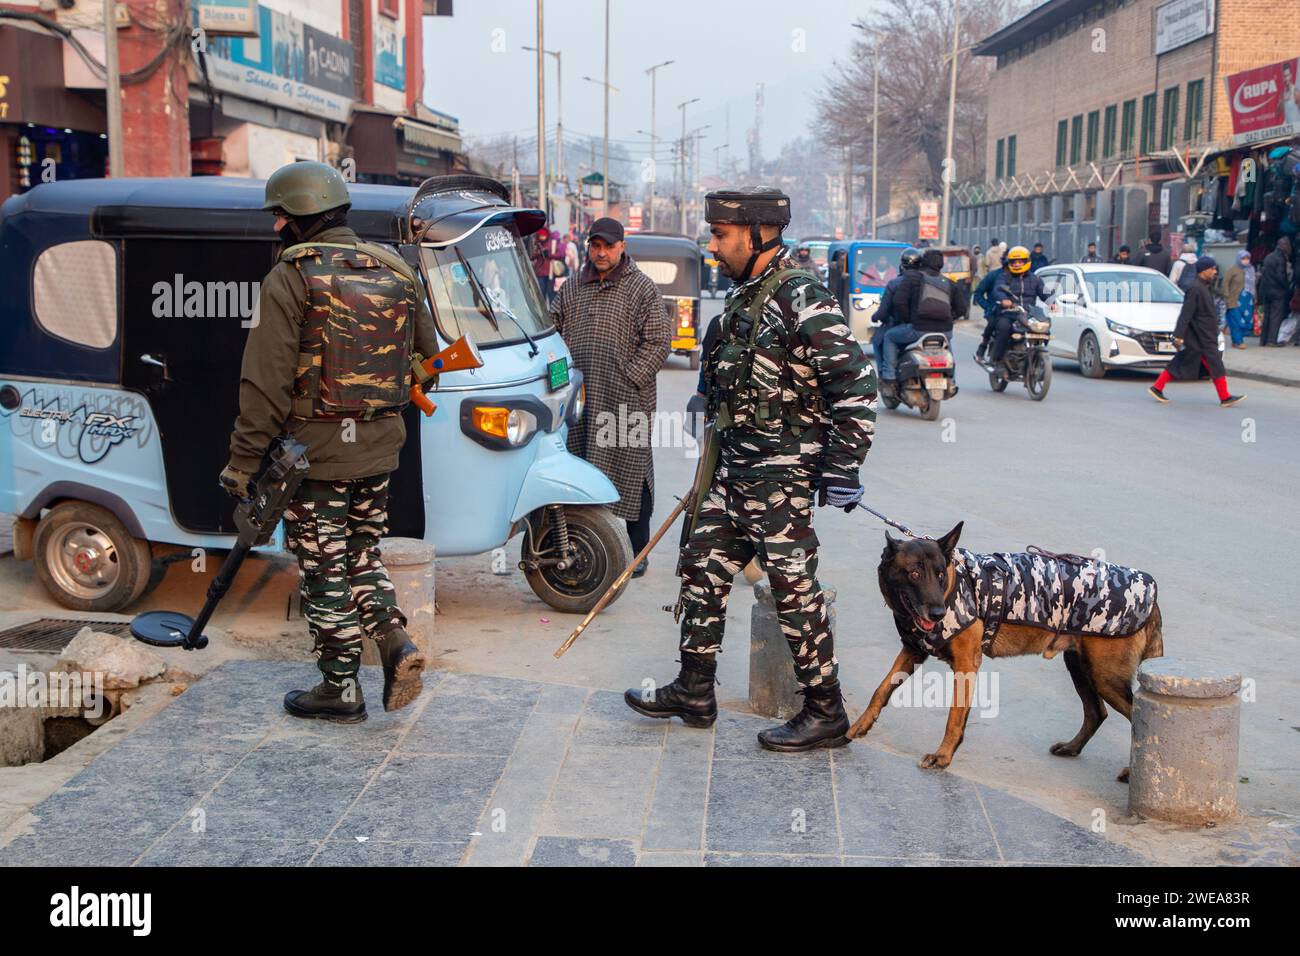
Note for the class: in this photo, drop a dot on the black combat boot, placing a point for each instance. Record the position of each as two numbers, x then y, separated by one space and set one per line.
326 701
821 723
403 663
689 697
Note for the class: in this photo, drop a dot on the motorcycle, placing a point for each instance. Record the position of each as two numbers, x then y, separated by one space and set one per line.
1026 359
926 373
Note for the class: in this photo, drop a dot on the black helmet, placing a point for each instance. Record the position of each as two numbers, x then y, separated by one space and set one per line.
910 259
752 206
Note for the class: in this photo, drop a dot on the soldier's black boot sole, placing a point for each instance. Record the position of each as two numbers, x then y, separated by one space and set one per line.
328 704
403 664
821 723
689 697
661 709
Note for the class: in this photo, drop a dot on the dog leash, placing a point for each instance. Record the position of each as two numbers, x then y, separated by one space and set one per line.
892 523
1067 558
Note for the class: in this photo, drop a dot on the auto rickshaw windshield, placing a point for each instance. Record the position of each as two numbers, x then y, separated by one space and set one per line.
474 290
874 267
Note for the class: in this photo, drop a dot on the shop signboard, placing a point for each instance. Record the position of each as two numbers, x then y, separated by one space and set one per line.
1180 22
1265 102
289 64
227 17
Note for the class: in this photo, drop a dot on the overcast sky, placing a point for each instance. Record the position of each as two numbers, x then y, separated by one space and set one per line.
721 49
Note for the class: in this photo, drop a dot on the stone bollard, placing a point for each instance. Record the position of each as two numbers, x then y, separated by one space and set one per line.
773 690
410 564
1183 766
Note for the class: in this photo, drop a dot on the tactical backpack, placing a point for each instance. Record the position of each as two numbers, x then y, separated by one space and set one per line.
358 330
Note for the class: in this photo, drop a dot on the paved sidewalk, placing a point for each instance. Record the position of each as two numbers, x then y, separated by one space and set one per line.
499 771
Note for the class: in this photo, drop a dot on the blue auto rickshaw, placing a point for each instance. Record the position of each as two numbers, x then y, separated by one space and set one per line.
121 339
857 273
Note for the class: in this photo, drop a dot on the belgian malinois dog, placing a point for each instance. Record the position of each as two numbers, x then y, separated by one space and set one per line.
919 578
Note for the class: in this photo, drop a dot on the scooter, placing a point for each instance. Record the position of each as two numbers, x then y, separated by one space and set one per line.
1026 359
926 371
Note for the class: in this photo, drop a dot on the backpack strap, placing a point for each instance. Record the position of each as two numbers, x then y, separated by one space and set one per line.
766 291
386 256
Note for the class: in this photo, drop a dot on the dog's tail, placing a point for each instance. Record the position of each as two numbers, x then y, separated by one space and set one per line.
1155 646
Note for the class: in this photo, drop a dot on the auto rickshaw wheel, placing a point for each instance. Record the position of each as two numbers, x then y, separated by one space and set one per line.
695 360
87 560
601 552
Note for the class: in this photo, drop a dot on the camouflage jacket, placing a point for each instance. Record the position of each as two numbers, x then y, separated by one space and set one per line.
1061 596
810 408
270 365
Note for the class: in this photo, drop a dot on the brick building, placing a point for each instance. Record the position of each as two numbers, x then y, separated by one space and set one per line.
1090 96
221 87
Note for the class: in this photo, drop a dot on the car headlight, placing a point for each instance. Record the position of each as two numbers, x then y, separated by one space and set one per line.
514 425
1120 329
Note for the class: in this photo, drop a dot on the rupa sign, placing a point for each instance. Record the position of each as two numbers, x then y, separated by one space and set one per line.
1264 102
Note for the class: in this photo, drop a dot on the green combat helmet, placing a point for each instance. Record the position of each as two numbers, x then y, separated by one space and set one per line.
305 189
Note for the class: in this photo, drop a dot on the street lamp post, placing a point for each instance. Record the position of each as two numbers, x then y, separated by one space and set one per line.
682 161
875 124
113 91
543 199
952 109
604 202
694 137
561 173
654 159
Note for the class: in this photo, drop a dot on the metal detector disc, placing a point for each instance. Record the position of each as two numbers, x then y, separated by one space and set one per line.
164 628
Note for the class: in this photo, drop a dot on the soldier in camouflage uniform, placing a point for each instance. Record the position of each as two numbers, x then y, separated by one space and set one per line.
792 398
329 361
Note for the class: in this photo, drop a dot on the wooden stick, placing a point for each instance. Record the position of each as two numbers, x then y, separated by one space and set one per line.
622 578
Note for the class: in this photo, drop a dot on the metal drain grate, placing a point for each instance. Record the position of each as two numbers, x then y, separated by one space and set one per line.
51 635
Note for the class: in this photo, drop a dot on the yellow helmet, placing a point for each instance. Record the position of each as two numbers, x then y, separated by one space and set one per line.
1017 261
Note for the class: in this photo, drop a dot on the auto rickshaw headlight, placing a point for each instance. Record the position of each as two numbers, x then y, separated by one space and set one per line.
579 404
515 425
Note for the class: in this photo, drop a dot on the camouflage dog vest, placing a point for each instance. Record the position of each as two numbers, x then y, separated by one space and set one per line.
1054 593
355 352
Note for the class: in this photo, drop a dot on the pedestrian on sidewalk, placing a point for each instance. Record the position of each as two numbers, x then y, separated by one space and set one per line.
1275 290
1197 338
1124 257
611 316
1038 258
1155 256
1181 272
1239 296
993 258
1091 254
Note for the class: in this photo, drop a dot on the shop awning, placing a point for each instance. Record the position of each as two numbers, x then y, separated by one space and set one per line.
424 138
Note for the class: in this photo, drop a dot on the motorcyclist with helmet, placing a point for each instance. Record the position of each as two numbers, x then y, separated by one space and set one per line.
1018 286
924 301
886 315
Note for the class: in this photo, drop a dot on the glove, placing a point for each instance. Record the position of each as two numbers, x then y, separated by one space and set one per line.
235 483
839 495
1178 343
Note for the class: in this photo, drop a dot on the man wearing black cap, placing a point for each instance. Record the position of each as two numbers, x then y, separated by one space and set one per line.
792 399
612 318
1197 338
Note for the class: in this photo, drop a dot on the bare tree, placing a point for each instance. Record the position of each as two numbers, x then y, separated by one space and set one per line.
914 79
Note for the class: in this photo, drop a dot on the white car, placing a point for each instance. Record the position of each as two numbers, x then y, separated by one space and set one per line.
1111 316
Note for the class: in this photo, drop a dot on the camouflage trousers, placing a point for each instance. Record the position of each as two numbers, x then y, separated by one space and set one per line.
334 528
772 520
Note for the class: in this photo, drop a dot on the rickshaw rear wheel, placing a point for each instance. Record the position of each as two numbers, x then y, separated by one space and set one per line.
602 552
87 560
695 360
